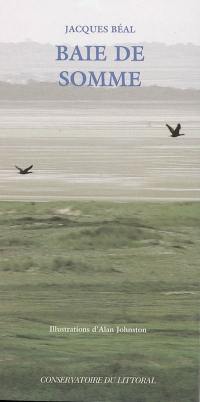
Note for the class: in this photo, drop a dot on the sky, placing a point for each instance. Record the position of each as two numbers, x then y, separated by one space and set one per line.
44 21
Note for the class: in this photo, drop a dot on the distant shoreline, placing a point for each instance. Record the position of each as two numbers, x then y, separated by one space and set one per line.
48 91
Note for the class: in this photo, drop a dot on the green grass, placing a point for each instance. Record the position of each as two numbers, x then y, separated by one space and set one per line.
87 263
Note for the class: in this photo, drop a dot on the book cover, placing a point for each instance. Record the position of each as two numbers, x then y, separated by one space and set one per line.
99 200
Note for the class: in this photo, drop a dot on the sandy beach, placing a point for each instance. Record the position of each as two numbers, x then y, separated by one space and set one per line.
87 150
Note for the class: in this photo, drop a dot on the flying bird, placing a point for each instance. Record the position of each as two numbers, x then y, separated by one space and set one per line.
24 171
176 132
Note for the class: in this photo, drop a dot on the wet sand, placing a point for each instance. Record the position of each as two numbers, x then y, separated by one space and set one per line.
86 150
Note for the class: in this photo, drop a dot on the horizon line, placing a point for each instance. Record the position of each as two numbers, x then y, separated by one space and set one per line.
29 40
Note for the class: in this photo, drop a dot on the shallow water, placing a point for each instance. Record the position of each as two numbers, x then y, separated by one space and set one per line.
99 150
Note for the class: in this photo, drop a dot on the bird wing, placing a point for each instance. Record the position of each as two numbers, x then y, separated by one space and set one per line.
28 168
21 170
177 129
170 129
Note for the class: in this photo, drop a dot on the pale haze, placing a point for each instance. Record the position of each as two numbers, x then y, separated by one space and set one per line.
44 21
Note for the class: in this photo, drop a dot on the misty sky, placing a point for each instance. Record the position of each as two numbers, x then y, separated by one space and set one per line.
169 21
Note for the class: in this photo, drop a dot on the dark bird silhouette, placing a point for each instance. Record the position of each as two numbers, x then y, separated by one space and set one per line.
176 132
24 171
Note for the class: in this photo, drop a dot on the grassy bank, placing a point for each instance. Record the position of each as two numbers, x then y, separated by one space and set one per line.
87 263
